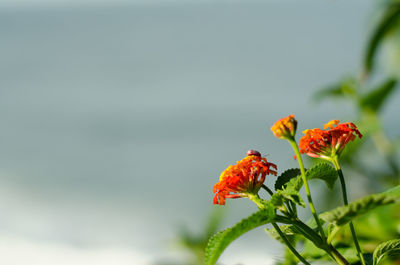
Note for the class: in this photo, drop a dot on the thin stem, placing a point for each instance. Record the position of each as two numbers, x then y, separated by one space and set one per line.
335 162
259 203
309 233
337 256
290 209
267 189
289 245
315 238
293 207
331 250
307 188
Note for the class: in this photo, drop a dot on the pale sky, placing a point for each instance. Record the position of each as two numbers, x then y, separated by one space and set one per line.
41 3
69 3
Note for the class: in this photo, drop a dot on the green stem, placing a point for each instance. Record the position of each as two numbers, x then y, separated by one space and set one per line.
289 245
257 200
307 188
294 208
267 189
337 256
315 238
290 209
309 233
335 162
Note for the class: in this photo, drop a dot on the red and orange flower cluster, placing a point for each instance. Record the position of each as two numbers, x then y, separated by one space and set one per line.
244 178
248 175
328 143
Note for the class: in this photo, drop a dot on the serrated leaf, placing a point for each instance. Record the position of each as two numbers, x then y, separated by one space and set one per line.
325 172
218 243
282 196
388 248
294 184
374 100
344 214
322 171
288 187
386 24
286 177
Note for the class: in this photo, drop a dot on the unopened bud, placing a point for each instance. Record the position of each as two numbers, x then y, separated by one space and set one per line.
285 128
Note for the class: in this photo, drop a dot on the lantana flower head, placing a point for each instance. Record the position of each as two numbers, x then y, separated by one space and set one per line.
285 128
244 178
329 142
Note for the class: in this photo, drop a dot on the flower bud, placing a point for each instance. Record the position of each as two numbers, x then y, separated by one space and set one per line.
285 128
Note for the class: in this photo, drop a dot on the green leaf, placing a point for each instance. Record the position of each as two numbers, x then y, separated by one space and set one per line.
388 248
287 194
220 241
323 171
286 177
289 184
374 100
344 214
294 184
386 24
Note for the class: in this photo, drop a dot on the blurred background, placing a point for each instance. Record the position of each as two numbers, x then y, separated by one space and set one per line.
118 117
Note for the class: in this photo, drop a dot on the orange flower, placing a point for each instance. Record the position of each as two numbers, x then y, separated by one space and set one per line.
328 143
244 178
285 128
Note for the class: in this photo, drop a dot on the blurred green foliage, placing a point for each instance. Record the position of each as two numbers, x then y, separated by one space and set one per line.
369 96
387 25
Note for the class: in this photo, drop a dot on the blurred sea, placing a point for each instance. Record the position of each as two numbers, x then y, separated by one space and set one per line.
117 120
